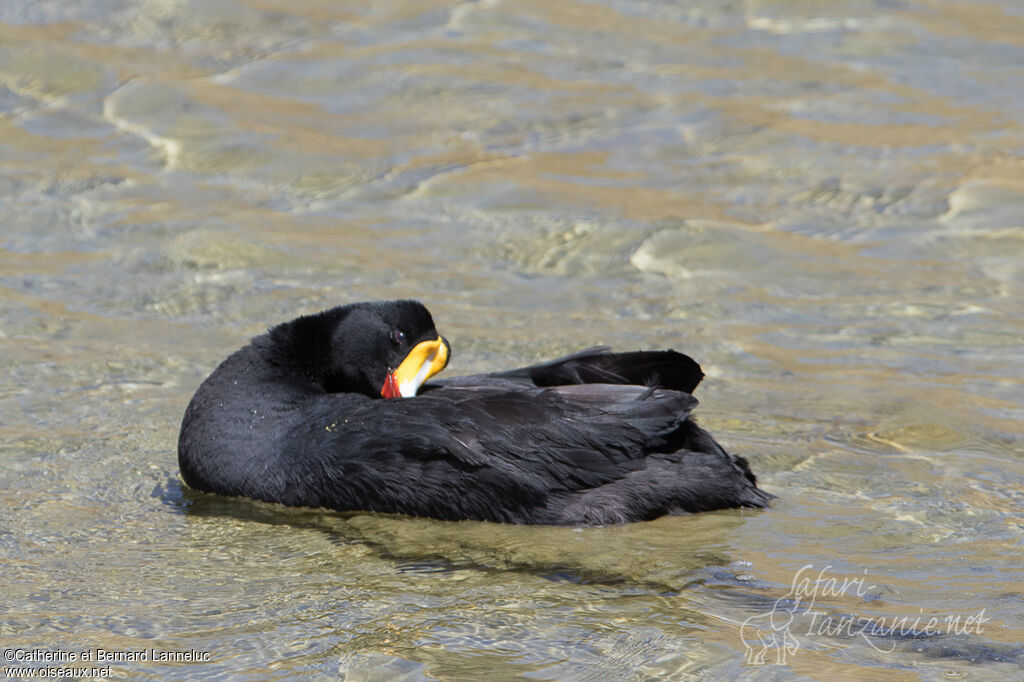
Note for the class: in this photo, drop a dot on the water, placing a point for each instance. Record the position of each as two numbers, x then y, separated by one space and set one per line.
821 203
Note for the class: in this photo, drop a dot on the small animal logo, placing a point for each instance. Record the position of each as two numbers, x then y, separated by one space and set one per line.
767 632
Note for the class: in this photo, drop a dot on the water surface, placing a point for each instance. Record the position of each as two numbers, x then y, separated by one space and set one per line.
822 203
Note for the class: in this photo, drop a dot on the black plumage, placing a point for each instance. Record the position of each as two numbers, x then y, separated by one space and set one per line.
597 437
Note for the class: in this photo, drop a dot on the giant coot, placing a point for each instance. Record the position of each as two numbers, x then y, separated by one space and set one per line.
301 416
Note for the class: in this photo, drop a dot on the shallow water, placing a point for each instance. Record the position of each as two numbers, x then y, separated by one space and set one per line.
822 203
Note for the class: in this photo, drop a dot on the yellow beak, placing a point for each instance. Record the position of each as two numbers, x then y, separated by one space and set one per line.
426 359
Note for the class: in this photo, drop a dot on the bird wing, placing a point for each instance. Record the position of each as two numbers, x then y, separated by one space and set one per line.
598 365
456 451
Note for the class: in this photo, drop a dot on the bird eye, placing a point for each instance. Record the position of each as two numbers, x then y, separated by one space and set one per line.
398 336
